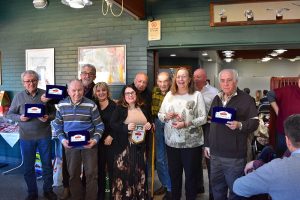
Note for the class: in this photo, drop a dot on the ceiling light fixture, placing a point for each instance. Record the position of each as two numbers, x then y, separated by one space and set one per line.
209 60
173 55
109 4
280 51
40 3
77 3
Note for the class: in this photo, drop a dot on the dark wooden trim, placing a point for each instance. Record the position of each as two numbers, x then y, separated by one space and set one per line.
243 23
136 8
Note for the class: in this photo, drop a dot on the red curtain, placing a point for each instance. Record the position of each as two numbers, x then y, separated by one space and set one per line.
278 82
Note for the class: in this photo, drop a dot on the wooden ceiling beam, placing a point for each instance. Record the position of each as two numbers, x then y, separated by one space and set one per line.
135 8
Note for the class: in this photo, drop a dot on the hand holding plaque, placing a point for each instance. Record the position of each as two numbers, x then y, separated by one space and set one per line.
138 134
56 91
223 114
34 110
78 138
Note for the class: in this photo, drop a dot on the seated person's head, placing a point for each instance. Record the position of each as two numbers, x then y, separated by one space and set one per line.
292 132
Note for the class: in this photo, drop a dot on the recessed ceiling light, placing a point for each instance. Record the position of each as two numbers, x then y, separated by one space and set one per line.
274 54
228 55
228 52
204 53
280 51
209 60
266 59
228 60
173 55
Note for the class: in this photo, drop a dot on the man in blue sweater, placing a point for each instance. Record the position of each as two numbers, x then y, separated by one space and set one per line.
279 178
78 113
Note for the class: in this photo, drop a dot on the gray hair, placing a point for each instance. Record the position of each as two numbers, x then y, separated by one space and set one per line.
74 80
31 72
231 71
89 66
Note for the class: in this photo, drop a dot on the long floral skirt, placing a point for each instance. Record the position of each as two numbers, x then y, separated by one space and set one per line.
129 176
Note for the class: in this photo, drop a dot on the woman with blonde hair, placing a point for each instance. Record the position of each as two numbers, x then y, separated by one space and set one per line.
106 106
183 112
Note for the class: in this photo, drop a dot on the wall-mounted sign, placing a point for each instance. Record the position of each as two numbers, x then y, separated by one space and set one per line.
154 30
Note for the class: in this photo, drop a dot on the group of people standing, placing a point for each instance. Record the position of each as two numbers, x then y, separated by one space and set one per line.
179 110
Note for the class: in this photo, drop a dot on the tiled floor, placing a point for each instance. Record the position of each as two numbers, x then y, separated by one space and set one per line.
13 187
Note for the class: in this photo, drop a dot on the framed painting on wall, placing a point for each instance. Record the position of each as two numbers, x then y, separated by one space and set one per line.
110 62
41 61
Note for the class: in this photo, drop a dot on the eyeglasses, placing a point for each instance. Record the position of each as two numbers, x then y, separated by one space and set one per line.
130 93
87 74
30 81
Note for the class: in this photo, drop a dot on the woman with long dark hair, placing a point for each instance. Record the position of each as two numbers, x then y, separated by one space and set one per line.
129 121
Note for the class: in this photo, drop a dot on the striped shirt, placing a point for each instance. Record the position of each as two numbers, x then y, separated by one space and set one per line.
77 117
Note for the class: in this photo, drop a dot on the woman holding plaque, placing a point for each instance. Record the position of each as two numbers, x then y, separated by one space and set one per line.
130 122
183 111
106 107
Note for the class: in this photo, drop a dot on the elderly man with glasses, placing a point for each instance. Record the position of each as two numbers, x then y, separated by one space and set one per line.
35 133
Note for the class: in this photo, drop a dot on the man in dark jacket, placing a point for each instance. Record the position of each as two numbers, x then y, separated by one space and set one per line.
227 144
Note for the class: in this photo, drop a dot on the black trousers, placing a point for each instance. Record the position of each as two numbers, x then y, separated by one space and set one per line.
187 159
105 164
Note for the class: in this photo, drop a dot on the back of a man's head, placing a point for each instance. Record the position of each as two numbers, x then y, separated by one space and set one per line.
292 129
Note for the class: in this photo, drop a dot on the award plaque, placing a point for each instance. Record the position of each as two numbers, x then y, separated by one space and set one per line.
223 114
78 138
56 91
34 110
138 134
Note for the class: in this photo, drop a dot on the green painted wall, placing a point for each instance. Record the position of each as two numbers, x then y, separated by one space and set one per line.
65 29
186 23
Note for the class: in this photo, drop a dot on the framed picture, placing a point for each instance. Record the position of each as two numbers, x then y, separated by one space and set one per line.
41 61
254 12
110 62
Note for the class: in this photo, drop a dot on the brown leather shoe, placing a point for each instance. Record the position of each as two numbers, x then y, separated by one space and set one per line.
160 191
66 194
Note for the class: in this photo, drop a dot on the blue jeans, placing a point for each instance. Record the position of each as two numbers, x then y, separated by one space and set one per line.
161 155
28 148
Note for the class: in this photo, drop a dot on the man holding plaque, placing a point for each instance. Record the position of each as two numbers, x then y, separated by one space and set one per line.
33 117
234 117
79 127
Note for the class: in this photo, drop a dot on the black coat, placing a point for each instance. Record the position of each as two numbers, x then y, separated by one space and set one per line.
120 129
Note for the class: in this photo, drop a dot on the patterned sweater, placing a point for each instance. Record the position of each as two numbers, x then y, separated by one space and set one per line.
76 117
191 108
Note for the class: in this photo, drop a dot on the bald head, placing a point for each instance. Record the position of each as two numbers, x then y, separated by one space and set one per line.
200 78
141 81
163 82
